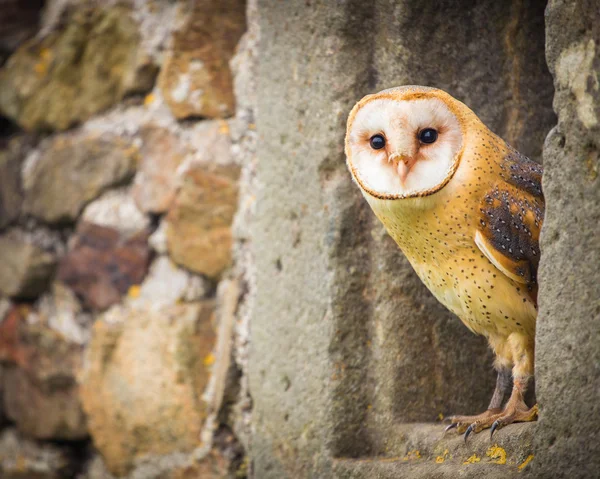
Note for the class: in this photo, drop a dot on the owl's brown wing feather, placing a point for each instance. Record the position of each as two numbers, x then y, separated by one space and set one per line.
511 216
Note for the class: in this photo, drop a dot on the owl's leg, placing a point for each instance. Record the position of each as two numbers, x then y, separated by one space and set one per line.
503 384
515 410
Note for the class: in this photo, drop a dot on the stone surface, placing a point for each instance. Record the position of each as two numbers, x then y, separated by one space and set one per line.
60 310
40 388
68 75
346 341
568 332
25 267
143 381
156 180
117 209
72 170
195 79
168 284
102 264
11 194
21 458
199 221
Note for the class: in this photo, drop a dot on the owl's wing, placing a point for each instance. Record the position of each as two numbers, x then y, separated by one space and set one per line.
510 219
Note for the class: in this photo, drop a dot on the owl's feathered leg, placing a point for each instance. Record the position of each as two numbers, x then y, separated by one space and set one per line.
503 384
521 349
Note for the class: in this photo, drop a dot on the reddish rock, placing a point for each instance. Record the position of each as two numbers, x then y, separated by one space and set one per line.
155 183
196 79
199 221
145 375
101 264
40 389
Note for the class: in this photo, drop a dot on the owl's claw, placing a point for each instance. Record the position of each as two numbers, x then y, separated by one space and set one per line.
468 432
451 426
494 427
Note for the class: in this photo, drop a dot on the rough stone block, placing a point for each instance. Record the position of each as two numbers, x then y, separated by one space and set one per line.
102 264
25 268
195 79
155 184
66 76
72 170
143 382
40 389
199 220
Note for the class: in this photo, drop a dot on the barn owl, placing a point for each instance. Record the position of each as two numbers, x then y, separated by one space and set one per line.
466 209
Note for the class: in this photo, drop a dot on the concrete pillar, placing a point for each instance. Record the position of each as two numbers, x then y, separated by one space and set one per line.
348 347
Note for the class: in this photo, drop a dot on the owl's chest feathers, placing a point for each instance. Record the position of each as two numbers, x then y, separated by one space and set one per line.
438 240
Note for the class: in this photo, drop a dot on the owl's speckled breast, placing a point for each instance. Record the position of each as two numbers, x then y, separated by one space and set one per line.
436 234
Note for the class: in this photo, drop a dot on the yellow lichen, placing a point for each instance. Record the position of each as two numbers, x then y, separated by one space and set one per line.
525 462
440 417
209 360
149 99
223 127
497 454
134 291
443 457
472 460
412 455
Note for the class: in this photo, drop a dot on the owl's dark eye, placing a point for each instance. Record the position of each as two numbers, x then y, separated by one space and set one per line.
428 135
377 142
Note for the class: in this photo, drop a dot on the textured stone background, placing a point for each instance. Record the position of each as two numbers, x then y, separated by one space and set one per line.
190 285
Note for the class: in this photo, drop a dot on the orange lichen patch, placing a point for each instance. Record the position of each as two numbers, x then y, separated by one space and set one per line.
525 462
251 126
149 99
497 454
209 360
473 459
443 457
412 455
223 127
41 67
134 291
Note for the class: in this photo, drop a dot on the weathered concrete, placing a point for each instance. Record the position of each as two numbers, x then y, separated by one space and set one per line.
568 334
346 341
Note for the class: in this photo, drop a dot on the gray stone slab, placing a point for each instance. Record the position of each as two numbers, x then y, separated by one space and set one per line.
568 334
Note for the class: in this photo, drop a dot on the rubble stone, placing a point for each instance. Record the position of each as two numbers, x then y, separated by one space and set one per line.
199 221
102 264
26 268
68 75
72 170
145 374
195 79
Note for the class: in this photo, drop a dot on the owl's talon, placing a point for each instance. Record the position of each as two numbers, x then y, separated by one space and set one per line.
451 426
495 426
468 432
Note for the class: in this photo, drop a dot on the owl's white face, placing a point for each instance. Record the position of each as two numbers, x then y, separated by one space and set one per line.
399 149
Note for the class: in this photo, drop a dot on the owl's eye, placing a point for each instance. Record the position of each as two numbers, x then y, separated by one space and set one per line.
377 142
428 135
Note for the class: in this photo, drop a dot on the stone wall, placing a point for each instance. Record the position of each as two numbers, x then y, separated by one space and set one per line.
120 164
191 286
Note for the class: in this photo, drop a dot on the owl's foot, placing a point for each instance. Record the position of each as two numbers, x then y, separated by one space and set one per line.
515 411
462 423
517 415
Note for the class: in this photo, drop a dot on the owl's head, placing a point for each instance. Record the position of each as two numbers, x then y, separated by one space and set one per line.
405 142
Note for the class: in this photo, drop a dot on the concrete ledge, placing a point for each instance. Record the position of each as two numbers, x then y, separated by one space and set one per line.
424 451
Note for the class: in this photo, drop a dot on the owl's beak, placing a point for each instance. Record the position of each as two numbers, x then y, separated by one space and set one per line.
404 164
